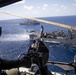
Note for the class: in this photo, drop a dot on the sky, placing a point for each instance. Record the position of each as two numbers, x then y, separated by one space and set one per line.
40 8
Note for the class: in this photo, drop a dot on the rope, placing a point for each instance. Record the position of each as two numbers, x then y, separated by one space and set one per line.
44 21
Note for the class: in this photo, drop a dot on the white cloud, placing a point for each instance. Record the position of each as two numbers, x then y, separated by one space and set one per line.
74 4
57 10
45 6
38 7
28 7
55 4
63 7
20 2
35 12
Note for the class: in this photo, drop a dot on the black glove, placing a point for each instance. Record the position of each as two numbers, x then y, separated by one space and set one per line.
26 61
8 64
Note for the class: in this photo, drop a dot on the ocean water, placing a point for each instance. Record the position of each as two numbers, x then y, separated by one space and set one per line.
15 39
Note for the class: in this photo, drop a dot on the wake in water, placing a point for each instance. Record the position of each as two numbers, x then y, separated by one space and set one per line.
14 37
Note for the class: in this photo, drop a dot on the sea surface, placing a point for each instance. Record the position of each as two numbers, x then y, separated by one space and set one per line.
15 39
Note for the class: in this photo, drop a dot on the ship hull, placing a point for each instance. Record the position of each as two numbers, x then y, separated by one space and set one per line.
58 40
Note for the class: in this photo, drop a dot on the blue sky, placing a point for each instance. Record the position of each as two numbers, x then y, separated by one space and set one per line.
40 8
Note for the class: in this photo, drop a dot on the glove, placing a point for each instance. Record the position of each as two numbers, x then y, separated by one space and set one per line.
26 61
